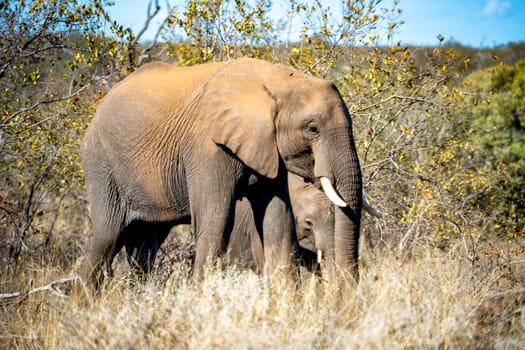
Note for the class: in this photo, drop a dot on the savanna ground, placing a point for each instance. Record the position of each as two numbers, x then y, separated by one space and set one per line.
435 299
440 136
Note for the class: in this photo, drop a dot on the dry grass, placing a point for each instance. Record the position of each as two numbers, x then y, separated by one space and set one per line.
438 300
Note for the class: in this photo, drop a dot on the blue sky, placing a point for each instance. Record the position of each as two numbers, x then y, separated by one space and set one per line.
481 23
476 23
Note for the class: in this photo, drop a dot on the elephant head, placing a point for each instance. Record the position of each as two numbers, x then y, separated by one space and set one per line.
314 217
303 121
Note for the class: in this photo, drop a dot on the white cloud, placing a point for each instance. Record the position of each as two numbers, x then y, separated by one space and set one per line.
493 7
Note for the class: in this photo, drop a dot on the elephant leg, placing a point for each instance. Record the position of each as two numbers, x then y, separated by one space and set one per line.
142 243
212 237
279 245
238 252
105 244
212 216
274 218
107 214
257 250
245 248
106 239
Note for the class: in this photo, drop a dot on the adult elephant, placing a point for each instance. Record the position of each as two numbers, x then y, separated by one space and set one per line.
175 145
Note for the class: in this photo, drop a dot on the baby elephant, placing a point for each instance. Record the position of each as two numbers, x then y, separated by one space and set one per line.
314 223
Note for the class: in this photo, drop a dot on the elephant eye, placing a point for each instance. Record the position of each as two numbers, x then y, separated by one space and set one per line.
312 129
309 222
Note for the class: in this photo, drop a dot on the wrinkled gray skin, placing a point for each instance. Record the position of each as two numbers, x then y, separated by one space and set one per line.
314 222
172 146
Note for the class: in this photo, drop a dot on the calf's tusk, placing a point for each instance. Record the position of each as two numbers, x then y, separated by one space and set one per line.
331 193
319 256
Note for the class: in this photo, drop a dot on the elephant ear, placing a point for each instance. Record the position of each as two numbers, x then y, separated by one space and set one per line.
243 122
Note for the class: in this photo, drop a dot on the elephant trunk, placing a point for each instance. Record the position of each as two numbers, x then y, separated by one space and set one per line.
347 186
348 218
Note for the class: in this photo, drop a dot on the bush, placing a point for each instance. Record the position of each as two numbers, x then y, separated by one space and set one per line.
495 110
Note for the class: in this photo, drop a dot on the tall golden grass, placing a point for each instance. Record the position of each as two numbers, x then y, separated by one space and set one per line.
434 300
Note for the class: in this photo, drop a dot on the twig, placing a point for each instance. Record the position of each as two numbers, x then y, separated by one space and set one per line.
149 18
150 15
398 97
147 50
517 262
44 102
47 287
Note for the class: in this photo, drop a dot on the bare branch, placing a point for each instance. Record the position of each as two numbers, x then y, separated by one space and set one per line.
44 102
399 97
148 49
48 287
149 18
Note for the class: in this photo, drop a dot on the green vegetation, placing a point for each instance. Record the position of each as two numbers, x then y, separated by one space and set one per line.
495 110
55 58
440 135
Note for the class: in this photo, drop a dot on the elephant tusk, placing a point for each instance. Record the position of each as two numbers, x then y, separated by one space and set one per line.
319 256
370 210
331 193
